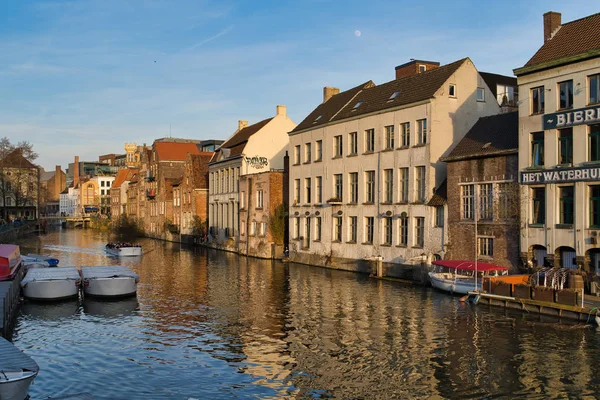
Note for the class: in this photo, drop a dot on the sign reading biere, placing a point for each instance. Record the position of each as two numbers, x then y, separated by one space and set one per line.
565 119
561 175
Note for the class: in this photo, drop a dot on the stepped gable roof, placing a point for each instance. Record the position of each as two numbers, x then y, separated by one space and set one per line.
15 159
440 195
368 98
326 111
571 39
174 151
493 80
238 141
493 135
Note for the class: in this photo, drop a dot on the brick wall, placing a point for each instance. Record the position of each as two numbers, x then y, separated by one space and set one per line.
504 232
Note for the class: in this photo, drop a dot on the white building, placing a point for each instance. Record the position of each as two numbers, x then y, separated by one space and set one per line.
365 164
69 202
559 146
251 149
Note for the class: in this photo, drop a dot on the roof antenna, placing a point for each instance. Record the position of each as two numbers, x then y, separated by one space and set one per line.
169 131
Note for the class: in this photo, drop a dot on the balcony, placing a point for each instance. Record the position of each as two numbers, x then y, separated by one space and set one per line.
150 194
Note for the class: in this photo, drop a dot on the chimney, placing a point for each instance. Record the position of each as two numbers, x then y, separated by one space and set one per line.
281 110
242 124
76 172
57 183
329 92
552 21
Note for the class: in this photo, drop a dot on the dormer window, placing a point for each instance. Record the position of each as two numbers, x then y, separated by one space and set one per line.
422 68
316 119
357 105
394 95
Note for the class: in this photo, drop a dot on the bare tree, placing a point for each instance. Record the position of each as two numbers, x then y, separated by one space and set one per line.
19 178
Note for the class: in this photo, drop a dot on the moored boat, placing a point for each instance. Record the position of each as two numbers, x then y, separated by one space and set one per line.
52 262
117 281
17 371
123 249
458 276
51 283
10 261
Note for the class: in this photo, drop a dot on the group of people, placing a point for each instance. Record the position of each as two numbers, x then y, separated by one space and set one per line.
121 244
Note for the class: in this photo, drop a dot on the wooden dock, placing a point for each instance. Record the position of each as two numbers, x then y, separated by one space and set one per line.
10 295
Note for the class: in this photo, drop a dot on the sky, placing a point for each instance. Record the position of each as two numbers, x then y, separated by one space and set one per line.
84 77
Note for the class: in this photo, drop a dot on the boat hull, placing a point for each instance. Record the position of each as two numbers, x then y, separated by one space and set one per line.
125 251
110 287
51 290
459 286
17 388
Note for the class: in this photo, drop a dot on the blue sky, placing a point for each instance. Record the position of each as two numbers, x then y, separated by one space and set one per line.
84 77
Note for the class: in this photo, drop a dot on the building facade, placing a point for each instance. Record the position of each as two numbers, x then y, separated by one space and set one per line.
365 164
52 183
482 171
263 219
251 149
19 187
559 146
118 192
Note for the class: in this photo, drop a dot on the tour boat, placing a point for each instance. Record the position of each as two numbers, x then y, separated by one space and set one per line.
458 276
115 281
17 371
123 249
10 262
51 283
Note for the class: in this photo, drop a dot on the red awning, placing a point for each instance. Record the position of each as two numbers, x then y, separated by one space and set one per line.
469 265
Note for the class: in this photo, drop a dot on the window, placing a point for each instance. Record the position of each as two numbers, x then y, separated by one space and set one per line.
337 229
337 146
538 197
253 228
468 200
102 183
353 143
420 183
419 232
338 187
486 202
297 155
394 95
422 131
403 230
263 229
307 232
319 150
566 205
403 194
505 207
452 90
389 137
242 200
387 231
480 94
353 229
594 142
485 246
297 228
307 153
388 185
565 94
307 191
319 189
259 199
369 140
537 100
595 206
422 68
296 191
370 186
353 187
405 131
594 85
537 149
565 146
439 216
318 229
369 225
356 105
9 201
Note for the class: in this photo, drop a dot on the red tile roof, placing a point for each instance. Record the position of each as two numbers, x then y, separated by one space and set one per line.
572 39
124 175
170 151
15 159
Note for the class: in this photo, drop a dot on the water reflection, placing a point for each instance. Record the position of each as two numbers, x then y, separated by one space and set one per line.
209 324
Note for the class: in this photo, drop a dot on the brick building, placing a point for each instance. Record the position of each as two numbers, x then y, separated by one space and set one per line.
263 222
482 172
52 183
559 142
19 187
118 192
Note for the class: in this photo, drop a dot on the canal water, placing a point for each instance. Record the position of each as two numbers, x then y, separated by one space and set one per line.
212 325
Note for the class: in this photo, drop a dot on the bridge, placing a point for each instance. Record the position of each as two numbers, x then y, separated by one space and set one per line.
71 221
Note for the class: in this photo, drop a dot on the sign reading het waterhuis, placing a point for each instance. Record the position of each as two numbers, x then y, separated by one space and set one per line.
580 116
561 175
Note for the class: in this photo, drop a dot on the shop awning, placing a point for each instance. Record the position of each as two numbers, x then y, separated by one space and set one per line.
469 265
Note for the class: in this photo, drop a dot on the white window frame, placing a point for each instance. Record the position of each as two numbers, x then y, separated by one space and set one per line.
480 91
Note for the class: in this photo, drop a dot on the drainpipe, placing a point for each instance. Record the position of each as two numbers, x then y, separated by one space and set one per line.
249 186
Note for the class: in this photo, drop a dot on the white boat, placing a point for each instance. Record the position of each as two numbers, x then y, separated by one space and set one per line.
458 276
51 283
127 250
42 258
17 371
29 262
115 281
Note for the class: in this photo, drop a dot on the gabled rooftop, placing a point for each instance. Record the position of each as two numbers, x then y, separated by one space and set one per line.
15 159
174 151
